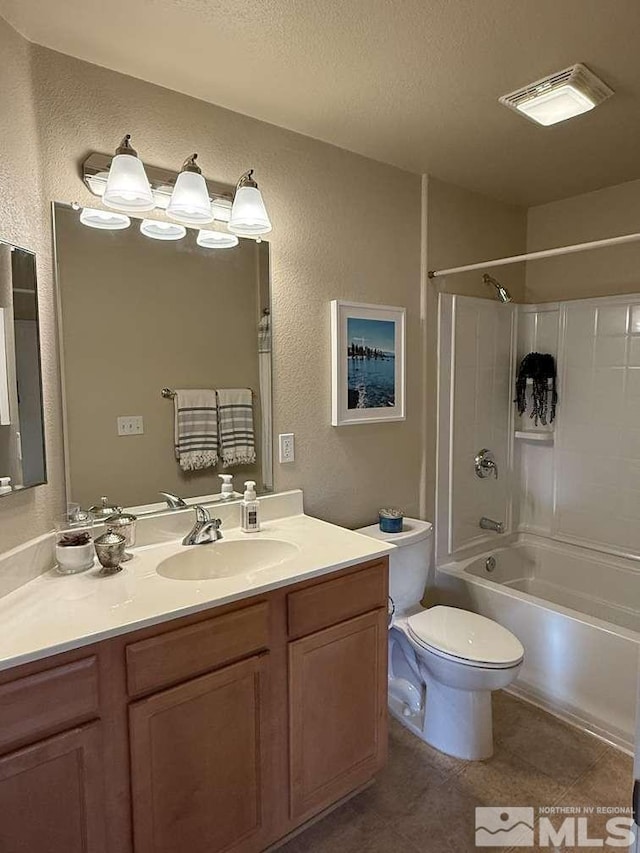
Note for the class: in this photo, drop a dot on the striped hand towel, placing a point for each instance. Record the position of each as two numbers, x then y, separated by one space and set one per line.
235 412
196 429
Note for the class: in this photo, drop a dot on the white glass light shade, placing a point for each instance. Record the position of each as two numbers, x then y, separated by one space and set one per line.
106 220
162 230
127 185
216 240
249 216
221 208
190 201
558 105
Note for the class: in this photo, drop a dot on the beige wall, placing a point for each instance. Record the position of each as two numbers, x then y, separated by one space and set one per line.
592 216
24 221
463 227
345 227
139 315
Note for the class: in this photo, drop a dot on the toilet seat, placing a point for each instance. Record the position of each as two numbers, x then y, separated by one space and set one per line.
465 637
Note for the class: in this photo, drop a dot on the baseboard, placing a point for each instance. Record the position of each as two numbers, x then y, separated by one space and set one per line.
572 716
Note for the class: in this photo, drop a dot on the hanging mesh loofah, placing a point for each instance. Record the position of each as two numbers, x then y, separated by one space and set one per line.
540 368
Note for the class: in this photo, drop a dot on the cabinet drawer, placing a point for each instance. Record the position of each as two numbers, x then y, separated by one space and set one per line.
181 654
333 601
48 702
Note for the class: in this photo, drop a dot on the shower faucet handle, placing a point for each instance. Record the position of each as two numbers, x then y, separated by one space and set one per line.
485 464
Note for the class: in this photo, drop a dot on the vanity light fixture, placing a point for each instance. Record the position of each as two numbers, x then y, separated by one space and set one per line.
127 186
105 220
190 202
221 208
216 240
249 216
158 230
98 182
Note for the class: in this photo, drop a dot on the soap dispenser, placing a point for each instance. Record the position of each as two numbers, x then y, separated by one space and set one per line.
226 490
250 509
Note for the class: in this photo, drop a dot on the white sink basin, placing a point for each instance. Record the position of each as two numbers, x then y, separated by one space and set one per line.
226 558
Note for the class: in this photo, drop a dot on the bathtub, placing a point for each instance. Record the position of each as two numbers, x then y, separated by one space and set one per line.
577 613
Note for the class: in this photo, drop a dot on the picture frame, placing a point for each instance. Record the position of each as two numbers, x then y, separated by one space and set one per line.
368 356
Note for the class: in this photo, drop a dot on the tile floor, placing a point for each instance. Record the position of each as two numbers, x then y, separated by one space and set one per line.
424 801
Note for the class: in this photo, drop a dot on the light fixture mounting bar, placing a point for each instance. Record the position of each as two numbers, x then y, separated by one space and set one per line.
97 163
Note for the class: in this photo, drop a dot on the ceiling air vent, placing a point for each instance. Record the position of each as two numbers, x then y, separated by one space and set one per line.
560 96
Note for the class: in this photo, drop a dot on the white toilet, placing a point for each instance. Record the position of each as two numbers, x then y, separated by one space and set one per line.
443 661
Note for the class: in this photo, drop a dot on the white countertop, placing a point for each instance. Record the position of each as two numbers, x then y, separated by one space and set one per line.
55 613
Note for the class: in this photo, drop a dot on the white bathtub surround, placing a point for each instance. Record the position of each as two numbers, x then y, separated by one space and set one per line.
52 613
576 614
581 486
597 484
475 411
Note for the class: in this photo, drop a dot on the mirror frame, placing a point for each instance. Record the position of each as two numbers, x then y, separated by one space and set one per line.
45 473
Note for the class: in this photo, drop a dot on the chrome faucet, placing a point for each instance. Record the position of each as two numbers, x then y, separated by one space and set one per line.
205 529
173 501
490 524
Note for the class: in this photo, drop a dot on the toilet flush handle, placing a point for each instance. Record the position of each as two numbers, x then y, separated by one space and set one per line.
391 609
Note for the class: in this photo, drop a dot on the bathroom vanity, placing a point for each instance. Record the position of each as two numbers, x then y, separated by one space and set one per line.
223 729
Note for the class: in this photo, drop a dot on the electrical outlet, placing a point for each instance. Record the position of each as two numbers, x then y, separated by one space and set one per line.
130 425
287 447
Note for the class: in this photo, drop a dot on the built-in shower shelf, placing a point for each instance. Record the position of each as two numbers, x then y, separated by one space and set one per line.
535 435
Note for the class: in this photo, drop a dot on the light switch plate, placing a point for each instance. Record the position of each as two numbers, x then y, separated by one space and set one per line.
287 447
130 425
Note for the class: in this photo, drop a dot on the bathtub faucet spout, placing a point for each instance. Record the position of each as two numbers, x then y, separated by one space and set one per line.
490 524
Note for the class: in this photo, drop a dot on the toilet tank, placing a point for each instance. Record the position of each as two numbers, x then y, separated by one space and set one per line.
409 564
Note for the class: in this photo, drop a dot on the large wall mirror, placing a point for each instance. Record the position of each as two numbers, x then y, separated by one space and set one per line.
22 451
139 316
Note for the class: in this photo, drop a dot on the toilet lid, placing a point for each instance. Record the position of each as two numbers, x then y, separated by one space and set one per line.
465 635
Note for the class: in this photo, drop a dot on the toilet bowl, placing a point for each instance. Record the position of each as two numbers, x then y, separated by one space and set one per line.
444 662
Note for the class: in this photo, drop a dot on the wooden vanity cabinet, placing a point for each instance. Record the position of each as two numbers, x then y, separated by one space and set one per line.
52 795
337 711
221 731
198 754
51 759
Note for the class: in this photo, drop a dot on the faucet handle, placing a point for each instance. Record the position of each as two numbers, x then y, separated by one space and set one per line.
202 514
485 464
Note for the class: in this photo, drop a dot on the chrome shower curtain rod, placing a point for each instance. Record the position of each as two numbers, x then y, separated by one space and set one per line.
534 256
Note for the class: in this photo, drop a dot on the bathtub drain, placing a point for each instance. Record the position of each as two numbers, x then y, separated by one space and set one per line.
490 563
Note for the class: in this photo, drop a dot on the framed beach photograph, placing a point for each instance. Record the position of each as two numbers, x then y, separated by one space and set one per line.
367 363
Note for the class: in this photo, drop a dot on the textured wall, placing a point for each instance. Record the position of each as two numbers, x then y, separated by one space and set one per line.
592 216
24 221
345 227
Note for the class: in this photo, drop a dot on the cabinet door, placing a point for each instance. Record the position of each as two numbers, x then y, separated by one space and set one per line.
337 711
51 795
198 761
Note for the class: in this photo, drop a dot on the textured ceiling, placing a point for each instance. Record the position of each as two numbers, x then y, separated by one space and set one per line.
409 82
